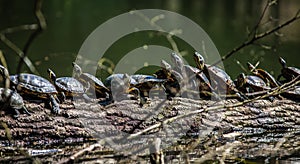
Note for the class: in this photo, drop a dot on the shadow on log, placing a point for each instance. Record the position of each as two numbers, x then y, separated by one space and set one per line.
259 130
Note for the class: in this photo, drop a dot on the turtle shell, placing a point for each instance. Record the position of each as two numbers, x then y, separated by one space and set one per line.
290 72
69 86
138 78
118 78
219 78
33 85
94 81
256 83
15 101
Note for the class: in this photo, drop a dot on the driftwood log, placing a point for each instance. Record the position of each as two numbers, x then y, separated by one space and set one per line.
260 130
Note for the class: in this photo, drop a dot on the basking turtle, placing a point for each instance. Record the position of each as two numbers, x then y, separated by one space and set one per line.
121 87
93 83
172 79
248 84
33 87
289 73
10 99
293 93
263 74
219 79
193 76
144 83
68 87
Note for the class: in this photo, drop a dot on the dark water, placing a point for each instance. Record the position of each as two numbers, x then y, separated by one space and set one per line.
226 22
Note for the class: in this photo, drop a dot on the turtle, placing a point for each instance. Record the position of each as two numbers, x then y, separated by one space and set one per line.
144 83
263 74
219 79
250 83
10 99
121 86
32 86
293 93
94 84
172 79
194 77
289 73
68 87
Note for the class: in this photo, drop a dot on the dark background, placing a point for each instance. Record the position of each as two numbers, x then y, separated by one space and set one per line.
226 22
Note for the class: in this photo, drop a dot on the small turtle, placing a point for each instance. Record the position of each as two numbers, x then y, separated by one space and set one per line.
289 73
263 74
219 79
93 83
33 87
144 83
10 99
172 79
68 87
121 86
248 84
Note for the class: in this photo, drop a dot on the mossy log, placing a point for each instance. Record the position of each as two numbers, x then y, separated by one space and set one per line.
257 130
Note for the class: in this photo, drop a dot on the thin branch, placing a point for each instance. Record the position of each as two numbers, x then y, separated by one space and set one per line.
274 92
258 37
41 26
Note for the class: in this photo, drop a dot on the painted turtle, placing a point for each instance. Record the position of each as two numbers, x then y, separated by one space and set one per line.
10 99
93 83
219 79
68 87
289 73
194 77
121 87
293 93
172 79
248 84
263 74
33 87
144 83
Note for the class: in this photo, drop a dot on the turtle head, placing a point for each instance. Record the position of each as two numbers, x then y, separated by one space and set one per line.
4 75
177 60
241 80
282 62
77 70
4 72
165 65
199 60
52 75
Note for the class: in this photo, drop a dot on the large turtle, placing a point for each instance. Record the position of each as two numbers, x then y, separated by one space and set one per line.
68 87
31 86
221 80
10 99
93 83
193 77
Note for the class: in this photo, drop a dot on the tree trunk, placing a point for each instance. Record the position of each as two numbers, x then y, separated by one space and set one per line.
257 130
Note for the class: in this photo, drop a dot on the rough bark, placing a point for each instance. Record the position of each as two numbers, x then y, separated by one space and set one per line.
257 130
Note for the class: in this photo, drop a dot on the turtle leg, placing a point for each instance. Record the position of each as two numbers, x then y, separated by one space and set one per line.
17 113
55 106
26 111
62 97
86 98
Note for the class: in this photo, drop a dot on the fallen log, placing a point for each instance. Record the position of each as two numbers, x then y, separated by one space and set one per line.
256 130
